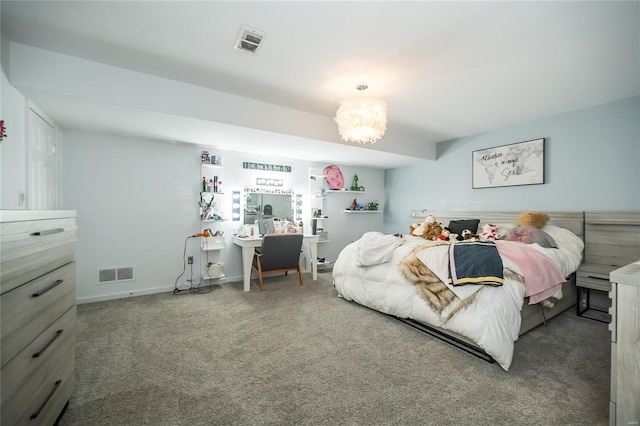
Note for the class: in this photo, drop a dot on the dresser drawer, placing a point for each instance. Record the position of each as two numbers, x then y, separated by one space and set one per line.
35 361
30 309
26 256
21 228
41 400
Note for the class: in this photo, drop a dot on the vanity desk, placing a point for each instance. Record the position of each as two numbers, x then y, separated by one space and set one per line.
249 244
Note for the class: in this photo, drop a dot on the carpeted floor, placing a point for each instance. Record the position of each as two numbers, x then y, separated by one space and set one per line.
302 356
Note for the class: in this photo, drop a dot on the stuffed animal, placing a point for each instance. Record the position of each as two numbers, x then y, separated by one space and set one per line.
432 231
444 235
418 228
429 229
489 232
469 236
537 219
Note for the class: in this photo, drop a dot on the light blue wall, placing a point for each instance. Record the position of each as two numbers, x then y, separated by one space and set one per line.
137 202
592 162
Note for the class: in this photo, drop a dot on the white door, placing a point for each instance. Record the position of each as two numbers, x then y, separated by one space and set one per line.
43 166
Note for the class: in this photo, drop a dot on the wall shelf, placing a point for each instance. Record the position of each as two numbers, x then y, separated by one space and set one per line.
207 277
211 248
363 211
339 191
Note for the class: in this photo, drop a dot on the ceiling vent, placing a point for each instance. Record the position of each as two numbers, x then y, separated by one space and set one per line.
249 39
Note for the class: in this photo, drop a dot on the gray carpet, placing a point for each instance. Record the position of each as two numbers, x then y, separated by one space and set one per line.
302 356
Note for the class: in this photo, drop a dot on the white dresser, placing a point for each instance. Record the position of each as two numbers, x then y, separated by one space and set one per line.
625 345
38 314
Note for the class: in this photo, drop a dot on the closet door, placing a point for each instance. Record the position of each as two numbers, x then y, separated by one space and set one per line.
43 164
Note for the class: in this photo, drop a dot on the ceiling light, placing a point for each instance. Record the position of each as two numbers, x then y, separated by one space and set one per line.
362 119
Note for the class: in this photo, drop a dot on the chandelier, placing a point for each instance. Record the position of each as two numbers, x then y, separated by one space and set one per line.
362 119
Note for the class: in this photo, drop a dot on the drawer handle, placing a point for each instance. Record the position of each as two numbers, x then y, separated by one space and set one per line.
47 232
56 385
51 287
597 278
53 339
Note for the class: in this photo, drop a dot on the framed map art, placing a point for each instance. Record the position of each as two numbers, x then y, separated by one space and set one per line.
516 164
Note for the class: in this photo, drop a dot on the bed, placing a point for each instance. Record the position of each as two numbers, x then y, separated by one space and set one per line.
379 271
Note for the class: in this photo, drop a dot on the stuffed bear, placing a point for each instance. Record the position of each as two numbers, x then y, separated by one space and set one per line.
418 228
537 219
489 232
429 229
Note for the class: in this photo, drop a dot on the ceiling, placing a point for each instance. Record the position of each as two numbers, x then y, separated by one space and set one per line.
445 69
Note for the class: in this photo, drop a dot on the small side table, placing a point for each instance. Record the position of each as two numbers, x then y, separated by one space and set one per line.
593 276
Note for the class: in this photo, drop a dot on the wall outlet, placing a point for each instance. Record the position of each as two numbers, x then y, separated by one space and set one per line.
190 260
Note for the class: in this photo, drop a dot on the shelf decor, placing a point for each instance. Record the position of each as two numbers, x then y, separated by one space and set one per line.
354 185
333 177
214 160
269 182
266 167
515 164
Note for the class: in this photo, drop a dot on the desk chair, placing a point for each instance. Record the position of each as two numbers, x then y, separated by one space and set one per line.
279 253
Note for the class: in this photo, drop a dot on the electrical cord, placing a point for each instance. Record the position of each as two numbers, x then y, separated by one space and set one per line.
190 288
208 264
177 290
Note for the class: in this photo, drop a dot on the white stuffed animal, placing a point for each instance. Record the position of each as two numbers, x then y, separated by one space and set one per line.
420 228
489 232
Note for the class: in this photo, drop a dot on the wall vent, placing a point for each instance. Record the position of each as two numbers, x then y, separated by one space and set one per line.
113 275
249 39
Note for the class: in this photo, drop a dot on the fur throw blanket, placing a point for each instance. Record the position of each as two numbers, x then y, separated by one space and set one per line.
436 293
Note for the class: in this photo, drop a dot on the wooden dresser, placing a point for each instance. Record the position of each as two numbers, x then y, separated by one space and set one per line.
612 240
37 314
625 346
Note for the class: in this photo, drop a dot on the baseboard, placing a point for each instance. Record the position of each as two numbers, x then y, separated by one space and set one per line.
147 291
123 295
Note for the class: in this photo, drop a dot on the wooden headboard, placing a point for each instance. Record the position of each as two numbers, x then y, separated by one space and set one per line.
574 221
612 238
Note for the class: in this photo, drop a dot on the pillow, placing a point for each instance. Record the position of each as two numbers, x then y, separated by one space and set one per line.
531 235
565 239
503 228
457 226
569 244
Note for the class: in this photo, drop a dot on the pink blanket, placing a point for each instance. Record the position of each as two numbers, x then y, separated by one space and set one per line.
542 277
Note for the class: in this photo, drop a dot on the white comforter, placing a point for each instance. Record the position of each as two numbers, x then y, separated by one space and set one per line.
492 320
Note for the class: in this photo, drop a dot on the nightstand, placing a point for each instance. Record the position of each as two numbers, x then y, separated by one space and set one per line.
612 240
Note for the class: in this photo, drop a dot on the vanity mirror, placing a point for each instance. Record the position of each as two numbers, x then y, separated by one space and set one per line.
266 206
